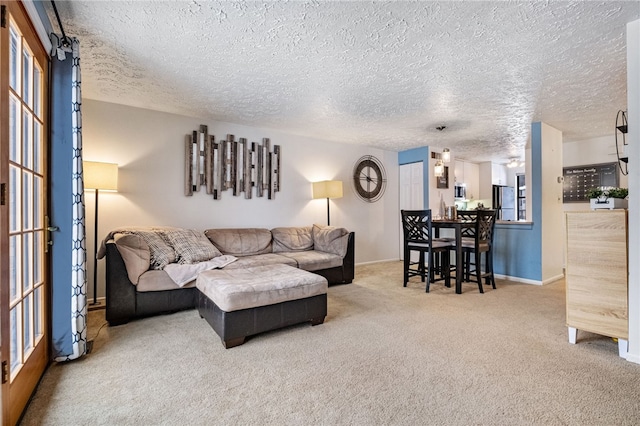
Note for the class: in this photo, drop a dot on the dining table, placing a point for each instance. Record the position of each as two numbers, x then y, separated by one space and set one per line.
457 225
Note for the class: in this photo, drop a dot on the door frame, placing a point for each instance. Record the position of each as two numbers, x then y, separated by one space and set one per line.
15 398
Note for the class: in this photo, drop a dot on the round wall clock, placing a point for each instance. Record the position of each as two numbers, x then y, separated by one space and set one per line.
369 178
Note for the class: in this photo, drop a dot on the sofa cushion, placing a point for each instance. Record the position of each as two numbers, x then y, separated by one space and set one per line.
191 246
292 239
159 281
261 260
241 242
313 260
330 239
135 254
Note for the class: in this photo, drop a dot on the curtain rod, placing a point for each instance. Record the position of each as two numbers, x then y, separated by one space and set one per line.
65 39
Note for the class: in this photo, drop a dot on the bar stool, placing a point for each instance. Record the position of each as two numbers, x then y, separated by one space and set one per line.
417 232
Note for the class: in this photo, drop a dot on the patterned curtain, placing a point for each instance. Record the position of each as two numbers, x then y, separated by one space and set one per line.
69 283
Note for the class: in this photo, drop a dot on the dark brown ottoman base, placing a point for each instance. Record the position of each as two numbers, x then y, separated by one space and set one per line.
233 327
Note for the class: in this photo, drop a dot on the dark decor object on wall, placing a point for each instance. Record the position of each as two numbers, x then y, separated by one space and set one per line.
230 165
622 128
577 180
369 178
443 181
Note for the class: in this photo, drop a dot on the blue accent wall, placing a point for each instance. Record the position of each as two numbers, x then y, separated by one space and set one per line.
517 250
413 156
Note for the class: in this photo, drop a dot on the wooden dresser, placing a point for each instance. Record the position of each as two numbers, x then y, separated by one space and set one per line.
597 274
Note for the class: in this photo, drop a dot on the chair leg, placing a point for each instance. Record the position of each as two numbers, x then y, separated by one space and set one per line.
421 267
477 258
467 266
429 273
432 271
489 257
407 263
446 265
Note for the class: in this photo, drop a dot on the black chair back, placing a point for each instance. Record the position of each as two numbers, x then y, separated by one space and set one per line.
485 225
468 216
416 226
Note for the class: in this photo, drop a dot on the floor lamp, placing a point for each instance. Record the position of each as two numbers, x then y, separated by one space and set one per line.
101 177
327 189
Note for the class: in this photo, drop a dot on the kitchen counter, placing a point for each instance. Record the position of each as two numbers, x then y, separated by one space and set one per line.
514 222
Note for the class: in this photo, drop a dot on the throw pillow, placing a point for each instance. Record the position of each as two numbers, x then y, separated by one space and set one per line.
330 239
191 246
161 253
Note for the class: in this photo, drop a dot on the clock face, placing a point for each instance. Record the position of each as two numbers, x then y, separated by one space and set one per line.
369 178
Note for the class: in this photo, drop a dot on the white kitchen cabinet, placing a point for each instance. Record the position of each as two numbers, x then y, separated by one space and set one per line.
498 174
472 179
491 174
468 174
458 171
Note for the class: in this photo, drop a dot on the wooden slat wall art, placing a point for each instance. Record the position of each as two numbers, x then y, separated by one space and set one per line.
209 159
202 158
246 170
195 160
276 168
188 165
233 165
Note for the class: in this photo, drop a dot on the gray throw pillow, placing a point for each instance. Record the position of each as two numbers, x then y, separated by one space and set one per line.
161 253
191 246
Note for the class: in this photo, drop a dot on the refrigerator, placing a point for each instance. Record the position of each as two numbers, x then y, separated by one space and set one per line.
504 202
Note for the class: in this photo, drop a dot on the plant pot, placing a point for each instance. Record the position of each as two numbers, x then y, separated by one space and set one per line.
609 203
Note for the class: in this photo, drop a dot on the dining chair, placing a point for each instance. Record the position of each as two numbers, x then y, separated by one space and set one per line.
482 242
418 237
468 236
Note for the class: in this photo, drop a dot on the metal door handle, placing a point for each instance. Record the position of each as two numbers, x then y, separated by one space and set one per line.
49 229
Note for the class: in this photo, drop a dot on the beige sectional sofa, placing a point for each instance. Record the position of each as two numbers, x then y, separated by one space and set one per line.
152 270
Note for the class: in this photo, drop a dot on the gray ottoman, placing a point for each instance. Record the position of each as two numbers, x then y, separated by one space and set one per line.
241 302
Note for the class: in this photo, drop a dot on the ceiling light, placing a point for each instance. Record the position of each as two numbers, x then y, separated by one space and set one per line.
515 162
446 155
438 169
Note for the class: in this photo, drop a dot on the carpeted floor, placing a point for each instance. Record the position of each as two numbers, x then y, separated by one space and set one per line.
385 355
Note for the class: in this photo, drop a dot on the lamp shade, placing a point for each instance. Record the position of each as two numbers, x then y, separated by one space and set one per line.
102 176
327 189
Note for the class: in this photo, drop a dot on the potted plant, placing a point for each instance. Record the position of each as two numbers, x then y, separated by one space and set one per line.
608 198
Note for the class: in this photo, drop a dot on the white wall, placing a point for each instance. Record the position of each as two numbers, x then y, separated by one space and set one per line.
591 151
434 192
148 147
633 107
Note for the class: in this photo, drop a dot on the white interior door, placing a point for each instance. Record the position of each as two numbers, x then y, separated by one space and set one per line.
411 192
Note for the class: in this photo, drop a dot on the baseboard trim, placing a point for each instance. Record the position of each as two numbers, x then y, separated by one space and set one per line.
528 281
553 279
377 261
518 279
633 358
101 304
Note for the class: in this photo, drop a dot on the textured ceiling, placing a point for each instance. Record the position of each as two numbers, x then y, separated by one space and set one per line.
380 74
